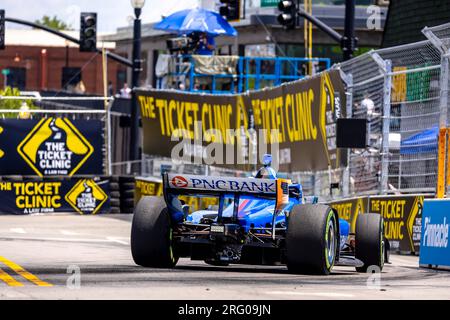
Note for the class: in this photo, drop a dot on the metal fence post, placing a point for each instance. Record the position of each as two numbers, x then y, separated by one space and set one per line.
443 107
108 138
443 116
386 68
386 126
348 79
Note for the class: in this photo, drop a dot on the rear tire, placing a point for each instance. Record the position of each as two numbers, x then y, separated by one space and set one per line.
151 234
312 239
369 241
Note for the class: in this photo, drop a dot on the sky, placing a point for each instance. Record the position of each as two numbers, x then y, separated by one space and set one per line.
111 13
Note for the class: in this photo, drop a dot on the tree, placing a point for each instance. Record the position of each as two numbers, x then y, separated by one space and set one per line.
53 23
10 104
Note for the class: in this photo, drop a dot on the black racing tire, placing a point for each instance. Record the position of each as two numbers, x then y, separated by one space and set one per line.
115 194
369 241
114 210
13 178
151 234
114 202
33 178
127 194
127 186
127 203
312 239
126 210
126 179
114 186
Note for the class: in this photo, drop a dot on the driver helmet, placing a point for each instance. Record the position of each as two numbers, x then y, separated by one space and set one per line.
266 172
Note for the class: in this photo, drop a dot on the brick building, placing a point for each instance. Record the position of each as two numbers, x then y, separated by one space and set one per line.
39 61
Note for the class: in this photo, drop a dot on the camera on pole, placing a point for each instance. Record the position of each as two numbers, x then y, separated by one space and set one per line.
230 9
2 29
88 32
288 15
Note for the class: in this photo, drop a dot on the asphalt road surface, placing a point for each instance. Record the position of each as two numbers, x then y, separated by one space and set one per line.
88 257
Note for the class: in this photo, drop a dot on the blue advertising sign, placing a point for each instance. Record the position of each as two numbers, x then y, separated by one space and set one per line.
434 246
69 195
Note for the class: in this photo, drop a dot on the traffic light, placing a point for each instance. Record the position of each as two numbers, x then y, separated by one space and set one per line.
288 15
2 29
88 32
230 9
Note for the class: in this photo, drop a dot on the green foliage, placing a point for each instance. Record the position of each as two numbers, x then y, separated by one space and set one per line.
53 23
10 104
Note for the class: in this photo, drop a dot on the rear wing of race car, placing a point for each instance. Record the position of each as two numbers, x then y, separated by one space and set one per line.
228 186
280 190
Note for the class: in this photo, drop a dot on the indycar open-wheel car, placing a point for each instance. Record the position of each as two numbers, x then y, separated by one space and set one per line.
257 221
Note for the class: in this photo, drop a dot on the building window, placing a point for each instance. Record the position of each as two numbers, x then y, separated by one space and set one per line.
17 78
71 77
121 79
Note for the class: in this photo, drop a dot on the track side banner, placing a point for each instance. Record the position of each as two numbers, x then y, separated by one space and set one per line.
298 119
402 220
350 209
51 147
435 246
402 217
79 196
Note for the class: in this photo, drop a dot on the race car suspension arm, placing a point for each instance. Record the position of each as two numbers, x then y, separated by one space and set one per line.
221 206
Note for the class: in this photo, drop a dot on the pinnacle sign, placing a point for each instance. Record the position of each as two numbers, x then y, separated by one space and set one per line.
51 147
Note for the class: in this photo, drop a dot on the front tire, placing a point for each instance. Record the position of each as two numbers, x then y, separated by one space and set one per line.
369 241
151 234
312 239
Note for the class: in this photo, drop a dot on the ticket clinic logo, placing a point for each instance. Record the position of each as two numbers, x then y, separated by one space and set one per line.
86 197
55 147
179 182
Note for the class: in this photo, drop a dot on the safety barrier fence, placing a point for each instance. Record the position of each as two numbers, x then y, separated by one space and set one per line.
402 216
403 94
232 74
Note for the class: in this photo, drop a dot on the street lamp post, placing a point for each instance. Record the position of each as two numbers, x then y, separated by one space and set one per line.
137 68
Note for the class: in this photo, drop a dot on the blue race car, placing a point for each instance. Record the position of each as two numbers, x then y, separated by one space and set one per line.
261 221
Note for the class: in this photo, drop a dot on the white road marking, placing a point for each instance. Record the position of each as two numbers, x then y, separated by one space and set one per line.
317 294
18 230
69 233
65 240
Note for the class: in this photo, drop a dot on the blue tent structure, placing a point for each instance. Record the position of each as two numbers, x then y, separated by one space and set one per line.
422 142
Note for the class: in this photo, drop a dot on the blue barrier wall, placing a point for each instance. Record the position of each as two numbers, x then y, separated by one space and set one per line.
435 246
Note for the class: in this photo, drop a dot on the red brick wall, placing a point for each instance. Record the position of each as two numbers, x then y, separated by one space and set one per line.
47 76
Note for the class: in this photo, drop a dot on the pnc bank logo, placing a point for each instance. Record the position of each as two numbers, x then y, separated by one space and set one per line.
86 197
179 182
55 147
